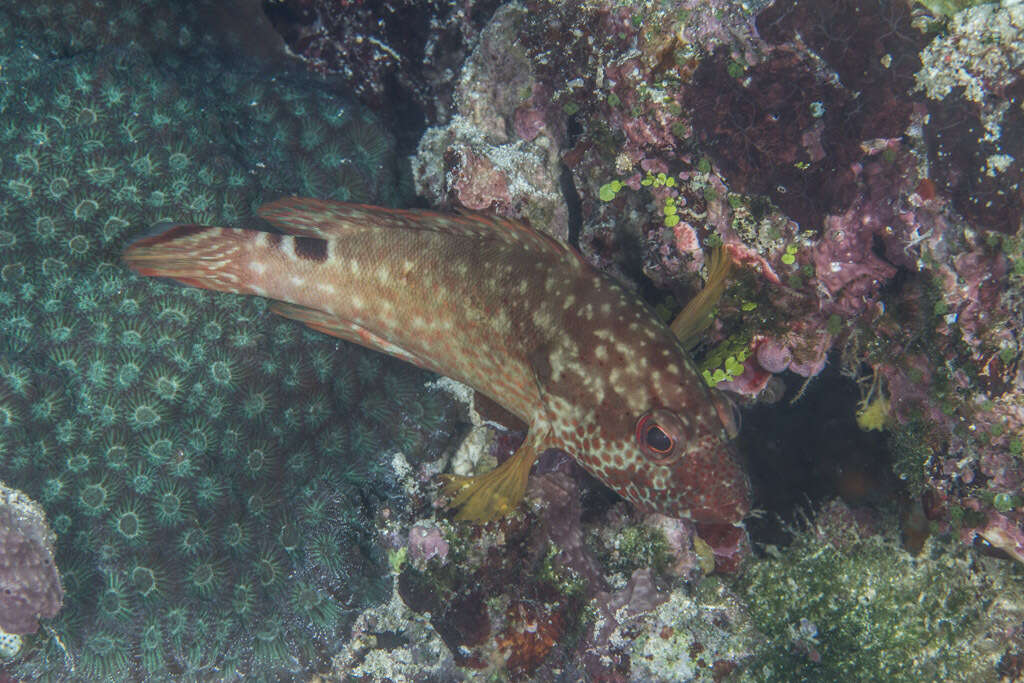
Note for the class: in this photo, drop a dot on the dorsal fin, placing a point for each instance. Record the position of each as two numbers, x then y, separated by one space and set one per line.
323 218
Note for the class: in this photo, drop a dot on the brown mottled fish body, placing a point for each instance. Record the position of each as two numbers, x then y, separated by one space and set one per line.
502 308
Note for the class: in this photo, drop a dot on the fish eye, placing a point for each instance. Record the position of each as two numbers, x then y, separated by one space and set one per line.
657 440
660 435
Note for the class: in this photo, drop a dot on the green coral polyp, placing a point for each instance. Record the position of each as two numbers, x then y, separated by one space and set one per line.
143 414
129 524
115 455
139 391
94 498
144 582
113 602
223 372
127 374
268 569
236 537
205 578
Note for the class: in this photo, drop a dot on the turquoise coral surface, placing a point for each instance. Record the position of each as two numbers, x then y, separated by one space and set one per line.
205 465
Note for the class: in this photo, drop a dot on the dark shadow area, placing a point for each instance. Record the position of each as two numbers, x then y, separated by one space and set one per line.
802 454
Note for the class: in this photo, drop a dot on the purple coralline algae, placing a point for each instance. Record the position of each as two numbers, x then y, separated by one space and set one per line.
859 161
30 581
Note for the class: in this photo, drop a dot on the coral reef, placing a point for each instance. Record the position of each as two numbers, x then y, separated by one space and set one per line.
214 476
860 162
28 572
387 52
564 588
839 603
205 465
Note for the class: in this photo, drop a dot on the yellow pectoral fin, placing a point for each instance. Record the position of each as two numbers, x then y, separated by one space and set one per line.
699 313
493 494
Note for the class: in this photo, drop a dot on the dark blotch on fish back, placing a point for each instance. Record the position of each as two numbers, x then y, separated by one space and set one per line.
311 249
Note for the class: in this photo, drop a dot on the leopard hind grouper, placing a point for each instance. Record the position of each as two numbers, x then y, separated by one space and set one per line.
503 308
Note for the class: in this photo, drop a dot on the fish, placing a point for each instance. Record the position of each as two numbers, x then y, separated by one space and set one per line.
504 308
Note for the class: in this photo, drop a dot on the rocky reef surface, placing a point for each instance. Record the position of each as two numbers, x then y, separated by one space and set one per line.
233 496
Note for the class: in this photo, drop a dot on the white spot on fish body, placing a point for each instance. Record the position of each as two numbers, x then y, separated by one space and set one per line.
297 281
353 267
542 319
288 246
258 267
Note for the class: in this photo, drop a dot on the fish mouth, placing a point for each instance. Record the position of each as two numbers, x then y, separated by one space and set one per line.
728 499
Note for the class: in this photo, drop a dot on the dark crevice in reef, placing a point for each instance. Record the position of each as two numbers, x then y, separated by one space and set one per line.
800 455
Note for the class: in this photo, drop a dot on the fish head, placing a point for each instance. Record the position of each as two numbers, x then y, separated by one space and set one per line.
665 444
689 463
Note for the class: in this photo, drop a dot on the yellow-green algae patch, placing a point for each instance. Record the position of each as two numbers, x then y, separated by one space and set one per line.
835 607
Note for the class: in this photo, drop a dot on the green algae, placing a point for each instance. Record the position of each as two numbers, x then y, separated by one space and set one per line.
864 609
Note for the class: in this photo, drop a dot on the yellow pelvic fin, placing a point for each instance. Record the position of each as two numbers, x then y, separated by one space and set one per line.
698 314
493 494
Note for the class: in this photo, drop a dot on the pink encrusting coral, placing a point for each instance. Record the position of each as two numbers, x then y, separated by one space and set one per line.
427 543
28 572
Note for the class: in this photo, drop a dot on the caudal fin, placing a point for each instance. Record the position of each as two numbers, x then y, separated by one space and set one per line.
196 255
